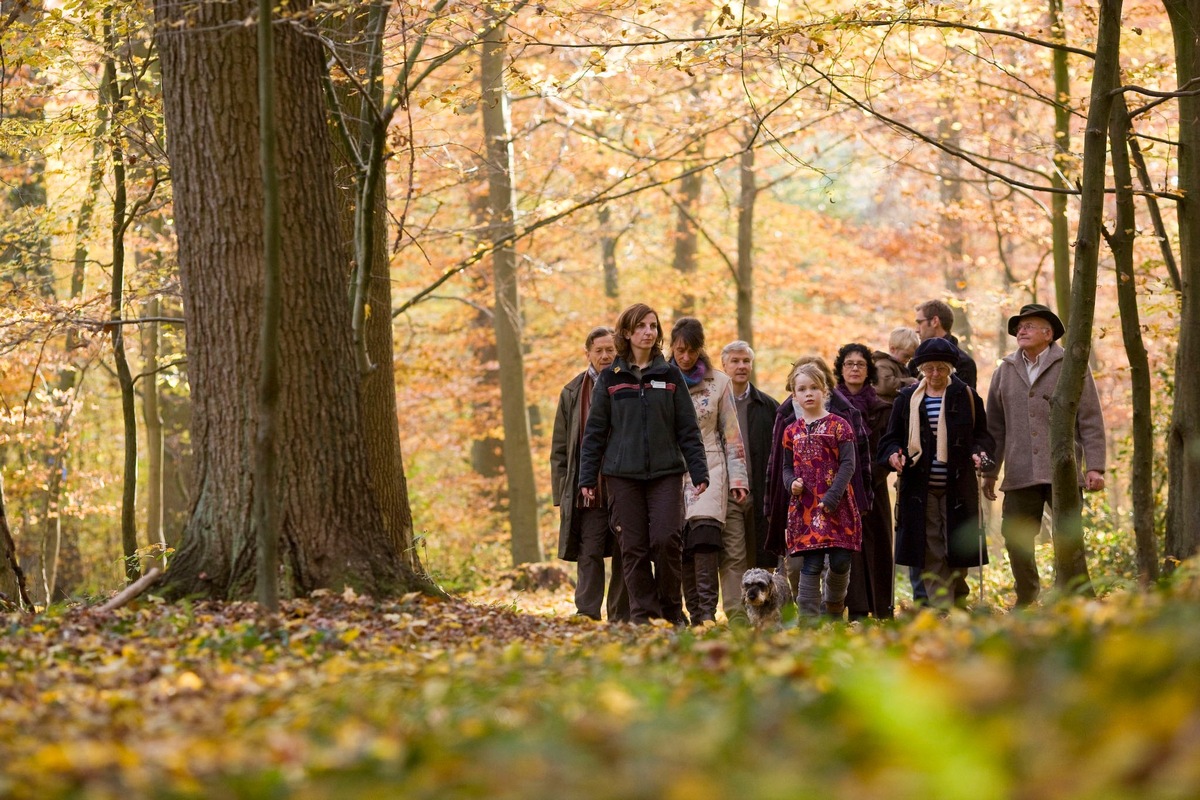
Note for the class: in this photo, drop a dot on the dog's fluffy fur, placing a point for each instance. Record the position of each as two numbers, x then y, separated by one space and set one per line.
764 594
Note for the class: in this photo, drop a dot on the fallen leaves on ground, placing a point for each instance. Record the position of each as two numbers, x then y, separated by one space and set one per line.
507 696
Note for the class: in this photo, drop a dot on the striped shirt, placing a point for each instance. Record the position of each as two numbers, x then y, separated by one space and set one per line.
937 469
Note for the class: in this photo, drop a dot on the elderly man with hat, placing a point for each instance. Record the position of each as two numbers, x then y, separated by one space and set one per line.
1018 411
936 439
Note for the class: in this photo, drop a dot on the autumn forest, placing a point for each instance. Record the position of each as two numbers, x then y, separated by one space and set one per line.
289 295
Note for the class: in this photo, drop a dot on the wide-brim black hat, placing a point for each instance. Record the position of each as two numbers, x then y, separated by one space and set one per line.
935 349
1037 310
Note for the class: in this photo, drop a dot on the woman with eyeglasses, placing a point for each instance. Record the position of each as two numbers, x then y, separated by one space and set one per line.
871 575
937 439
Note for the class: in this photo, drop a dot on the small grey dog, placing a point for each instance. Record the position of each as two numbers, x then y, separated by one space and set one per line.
764 594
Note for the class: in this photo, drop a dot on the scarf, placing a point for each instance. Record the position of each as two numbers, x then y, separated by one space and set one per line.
697 374
863 401
914 427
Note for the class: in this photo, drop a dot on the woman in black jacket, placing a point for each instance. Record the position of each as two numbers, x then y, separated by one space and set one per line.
642 435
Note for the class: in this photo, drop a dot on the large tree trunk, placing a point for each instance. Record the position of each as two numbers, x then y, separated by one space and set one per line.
1141 482
1183 442
518 460
332 533
1071 572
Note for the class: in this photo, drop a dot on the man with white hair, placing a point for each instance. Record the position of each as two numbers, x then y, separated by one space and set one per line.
745 522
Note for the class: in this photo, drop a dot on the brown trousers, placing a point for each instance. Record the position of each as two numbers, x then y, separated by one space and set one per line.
647 516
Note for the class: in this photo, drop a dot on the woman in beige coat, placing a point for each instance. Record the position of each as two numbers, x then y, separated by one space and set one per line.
716 412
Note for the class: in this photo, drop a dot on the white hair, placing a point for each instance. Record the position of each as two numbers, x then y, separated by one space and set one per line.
737 346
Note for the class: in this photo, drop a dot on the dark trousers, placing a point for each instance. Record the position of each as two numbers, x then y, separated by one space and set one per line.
648 519
1021 519
594 533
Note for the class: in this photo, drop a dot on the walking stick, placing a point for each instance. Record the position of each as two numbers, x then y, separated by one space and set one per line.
985 462
982 533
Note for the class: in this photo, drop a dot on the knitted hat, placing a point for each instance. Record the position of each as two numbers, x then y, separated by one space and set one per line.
935 349
1040 311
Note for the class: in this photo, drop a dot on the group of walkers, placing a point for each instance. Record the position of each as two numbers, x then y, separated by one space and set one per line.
686 475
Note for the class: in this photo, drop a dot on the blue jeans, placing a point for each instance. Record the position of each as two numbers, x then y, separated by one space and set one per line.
814 561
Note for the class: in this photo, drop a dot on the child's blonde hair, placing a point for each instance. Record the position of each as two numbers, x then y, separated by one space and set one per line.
813 372
905 339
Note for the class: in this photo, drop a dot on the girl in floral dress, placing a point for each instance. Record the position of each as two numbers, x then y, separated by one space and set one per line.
823 518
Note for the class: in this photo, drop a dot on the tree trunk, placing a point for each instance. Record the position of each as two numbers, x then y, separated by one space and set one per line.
1141 482
1183 441
151 342
687 236
12 580
332 533
1059 230
1071 571
124 376
518 461
373 293
745 243
954 268
266 457
608 256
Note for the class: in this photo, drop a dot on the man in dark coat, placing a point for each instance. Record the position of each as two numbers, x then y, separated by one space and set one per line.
584 533
745 522
937 438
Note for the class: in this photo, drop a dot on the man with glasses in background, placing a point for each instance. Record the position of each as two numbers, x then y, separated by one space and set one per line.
934 320
1018 413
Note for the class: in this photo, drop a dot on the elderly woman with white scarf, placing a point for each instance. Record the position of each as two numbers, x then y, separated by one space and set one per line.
937 438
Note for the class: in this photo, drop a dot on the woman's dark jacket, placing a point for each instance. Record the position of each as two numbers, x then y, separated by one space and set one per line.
775 501
641 425
967 434
760 419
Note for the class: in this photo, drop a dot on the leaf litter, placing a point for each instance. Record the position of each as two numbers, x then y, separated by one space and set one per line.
503 695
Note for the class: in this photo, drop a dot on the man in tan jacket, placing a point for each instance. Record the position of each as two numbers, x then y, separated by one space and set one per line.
1018 414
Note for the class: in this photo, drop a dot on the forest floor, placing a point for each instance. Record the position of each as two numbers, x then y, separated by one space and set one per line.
505 695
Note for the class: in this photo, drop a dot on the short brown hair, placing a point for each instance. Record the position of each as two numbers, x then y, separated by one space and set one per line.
936 308
628 320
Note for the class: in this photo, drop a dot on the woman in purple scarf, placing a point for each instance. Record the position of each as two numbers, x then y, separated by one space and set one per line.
871 582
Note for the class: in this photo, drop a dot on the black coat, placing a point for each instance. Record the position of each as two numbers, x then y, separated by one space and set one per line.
760 419
641 425
967 434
